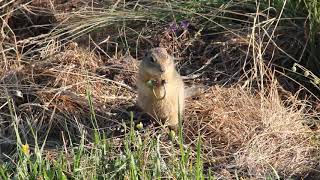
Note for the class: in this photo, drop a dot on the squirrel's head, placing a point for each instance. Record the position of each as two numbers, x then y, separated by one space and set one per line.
157 62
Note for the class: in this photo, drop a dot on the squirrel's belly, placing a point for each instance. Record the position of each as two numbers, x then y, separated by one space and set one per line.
166 107
161 103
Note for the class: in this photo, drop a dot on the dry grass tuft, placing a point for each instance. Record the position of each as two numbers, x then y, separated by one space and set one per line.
63 93
255 135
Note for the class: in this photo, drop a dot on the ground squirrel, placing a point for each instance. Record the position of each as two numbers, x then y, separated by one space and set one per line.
160 88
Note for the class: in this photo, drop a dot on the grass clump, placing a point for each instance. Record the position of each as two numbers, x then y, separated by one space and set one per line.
254 141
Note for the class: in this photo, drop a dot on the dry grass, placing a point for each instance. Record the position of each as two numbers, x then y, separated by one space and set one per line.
56 94
255 135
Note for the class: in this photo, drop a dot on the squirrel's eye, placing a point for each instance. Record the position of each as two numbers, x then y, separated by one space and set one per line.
152 59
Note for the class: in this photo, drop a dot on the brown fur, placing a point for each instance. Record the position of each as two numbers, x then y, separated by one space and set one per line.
167 109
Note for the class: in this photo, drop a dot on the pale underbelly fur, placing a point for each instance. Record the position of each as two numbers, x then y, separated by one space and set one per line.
167 109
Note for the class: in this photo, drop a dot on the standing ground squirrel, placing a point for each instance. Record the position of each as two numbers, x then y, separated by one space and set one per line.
161 88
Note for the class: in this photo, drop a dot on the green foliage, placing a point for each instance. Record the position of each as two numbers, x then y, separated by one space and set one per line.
103 160
311 10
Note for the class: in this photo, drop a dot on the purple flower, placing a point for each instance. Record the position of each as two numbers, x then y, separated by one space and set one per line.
173 26
184 24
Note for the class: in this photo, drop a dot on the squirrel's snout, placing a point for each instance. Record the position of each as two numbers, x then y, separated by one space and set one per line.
161 69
